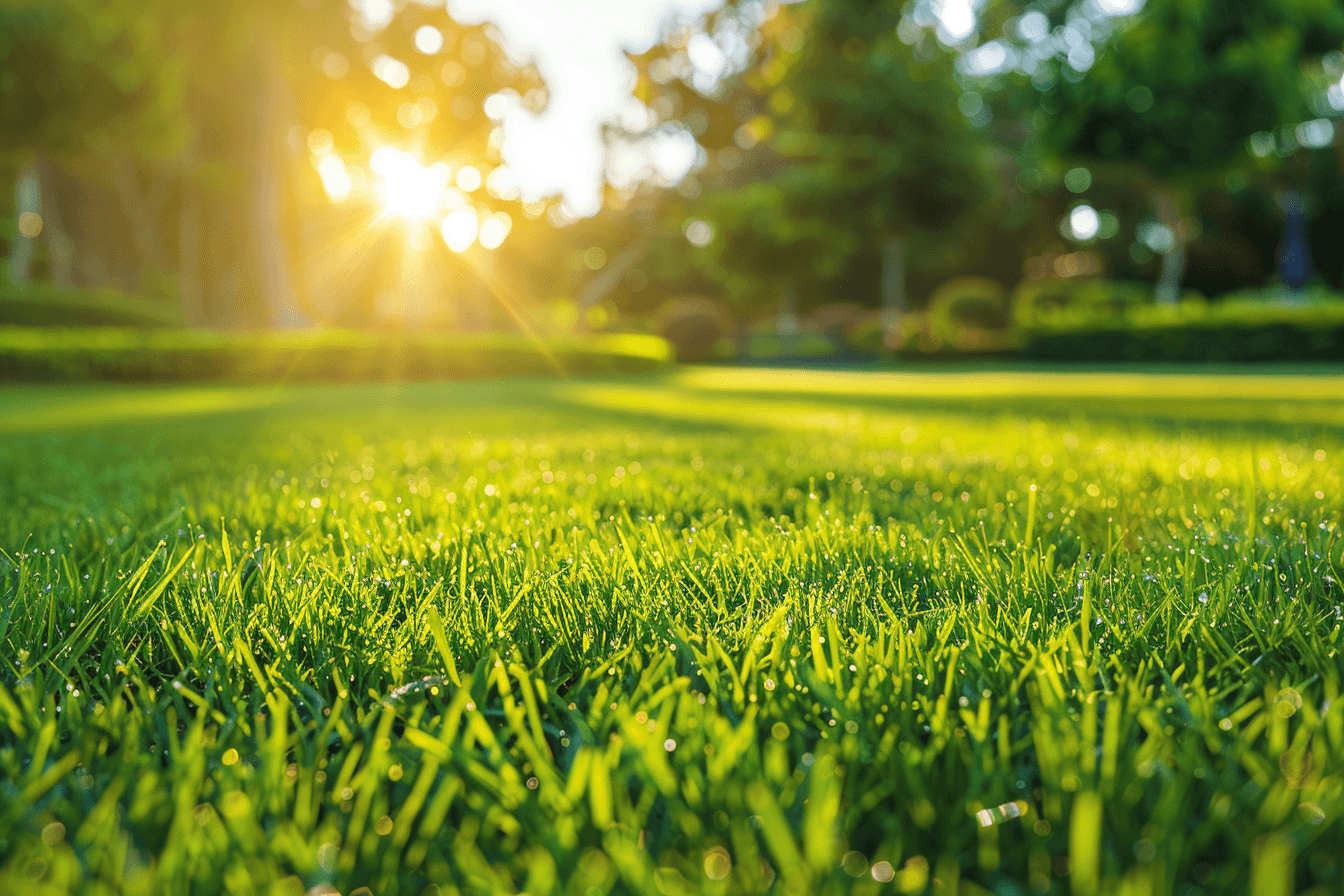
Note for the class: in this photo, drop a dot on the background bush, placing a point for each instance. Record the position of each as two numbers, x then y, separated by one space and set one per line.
325 356
1035 300
693 327
976 303
1192 332
49 305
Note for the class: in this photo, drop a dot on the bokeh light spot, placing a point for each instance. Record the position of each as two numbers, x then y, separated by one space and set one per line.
1078 180
320 142
410 115
699 233
494 230
1084 223
459 229
469 179
595 258
429 40
30 225
453 73
392 72
358 115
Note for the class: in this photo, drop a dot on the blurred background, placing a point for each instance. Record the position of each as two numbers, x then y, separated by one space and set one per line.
821 181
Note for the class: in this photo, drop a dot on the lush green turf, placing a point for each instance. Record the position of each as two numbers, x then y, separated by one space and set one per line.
720 631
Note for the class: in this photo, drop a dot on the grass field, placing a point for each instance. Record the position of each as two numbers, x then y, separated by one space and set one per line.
718 631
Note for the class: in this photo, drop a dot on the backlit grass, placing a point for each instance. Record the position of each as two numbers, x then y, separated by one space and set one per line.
720 631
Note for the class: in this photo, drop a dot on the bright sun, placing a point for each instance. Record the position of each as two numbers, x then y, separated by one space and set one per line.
407 189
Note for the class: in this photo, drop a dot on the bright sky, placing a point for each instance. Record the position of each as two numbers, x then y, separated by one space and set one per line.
577 45
579 48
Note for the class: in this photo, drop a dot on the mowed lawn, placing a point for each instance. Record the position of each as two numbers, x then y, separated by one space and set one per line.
716 631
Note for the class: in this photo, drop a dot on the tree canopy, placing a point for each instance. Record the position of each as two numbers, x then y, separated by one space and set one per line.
1181 88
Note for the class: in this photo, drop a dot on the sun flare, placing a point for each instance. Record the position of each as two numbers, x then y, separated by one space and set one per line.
406 188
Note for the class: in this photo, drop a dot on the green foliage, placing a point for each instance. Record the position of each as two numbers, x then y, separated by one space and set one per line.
841 136
688 635
877 125
968 302
1192 332
75 72
327 356
764 244
770 347
693 327
1181 87
866 336
49 305
1034 300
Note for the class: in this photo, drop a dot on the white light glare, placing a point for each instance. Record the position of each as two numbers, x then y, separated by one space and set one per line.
494 230
1084 222
1033 26
987 59
392 72
1334 95
376 14
407 189
468 179
699 234
335 178
459 229
956 20
1120 7
428 40
1316 134
1155 236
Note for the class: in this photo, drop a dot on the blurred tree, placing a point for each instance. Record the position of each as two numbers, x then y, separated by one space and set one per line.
887 152
112 99
849 138
74 75
180 134
1177 91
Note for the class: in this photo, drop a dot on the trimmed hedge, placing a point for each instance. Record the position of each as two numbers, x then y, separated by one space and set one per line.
49 305
322 356
1224 333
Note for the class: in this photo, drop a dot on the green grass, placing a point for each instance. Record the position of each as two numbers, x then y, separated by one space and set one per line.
718 632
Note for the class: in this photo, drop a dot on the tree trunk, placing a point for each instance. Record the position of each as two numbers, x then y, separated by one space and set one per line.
786 321
27 201
893 286
190 246
1173 260
271 162
60 248
137 208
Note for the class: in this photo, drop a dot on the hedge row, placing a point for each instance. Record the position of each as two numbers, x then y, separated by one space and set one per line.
1213 334
326 356
49 305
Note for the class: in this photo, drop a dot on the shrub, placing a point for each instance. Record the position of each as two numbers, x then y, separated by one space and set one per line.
693 327
49 305
803 345
1034 300
1193 332
325 356
975 303
835 320
865 336
1281 295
